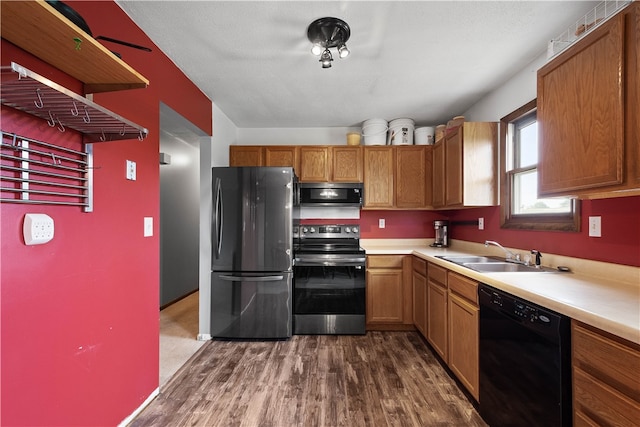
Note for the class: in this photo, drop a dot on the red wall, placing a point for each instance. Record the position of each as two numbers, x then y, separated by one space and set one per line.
79 315
620 241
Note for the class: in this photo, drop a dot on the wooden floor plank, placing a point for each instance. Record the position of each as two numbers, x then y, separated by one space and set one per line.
378 379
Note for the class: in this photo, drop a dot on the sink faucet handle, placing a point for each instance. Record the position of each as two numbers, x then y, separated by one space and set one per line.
537 254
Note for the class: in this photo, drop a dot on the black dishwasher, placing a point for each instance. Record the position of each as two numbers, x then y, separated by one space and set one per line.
525 362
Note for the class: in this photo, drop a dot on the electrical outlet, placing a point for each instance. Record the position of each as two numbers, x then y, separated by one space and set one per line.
595 226
131 170
148 226
480 223
37 229
381 223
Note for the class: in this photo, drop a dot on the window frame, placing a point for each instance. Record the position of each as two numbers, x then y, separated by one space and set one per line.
569 222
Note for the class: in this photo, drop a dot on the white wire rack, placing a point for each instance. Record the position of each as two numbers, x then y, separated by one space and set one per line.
584 25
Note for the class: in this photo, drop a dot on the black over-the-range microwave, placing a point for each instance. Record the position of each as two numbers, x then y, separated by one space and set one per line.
330 194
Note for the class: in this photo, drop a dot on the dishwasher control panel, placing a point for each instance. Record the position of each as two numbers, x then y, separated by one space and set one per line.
537 318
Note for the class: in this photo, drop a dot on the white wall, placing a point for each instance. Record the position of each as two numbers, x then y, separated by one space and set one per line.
294 136
513 94
225 133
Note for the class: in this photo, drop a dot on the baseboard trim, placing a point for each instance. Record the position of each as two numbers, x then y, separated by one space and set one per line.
204 337
135 413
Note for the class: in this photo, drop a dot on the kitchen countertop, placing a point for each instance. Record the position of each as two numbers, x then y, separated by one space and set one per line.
603 295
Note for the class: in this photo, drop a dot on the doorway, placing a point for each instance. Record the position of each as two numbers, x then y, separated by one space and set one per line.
181 147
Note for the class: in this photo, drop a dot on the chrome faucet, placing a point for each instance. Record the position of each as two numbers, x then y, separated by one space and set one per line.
509 255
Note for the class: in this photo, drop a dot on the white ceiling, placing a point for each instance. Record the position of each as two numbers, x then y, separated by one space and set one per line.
426 60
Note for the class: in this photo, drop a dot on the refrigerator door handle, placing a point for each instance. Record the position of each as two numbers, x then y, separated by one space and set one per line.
251 278
218 217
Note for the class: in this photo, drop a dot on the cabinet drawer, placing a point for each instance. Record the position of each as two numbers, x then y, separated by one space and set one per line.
419 266
438 274
611 362
602 403
384 261
464 287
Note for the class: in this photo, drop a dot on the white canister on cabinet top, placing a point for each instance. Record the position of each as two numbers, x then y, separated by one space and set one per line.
424 135
401 131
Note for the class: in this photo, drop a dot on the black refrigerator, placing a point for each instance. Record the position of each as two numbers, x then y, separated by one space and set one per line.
252 260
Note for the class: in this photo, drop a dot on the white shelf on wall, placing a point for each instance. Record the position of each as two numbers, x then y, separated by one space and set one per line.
594 18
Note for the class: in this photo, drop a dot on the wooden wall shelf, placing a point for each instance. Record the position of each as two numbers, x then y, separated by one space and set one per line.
38 28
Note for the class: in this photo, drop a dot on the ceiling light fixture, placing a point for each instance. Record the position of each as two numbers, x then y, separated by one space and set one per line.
325 33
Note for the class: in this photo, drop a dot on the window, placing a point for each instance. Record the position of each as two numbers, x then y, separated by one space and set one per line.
521 208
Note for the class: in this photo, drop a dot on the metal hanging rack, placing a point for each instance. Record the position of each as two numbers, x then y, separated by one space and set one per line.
32 93
37 172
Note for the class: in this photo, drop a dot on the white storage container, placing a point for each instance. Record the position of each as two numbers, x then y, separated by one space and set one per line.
374 131
401 131
424 135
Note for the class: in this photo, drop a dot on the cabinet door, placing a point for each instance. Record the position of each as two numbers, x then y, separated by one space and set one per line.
281 156
245 155
438 174
581 114
412 176
420 302
633 97
453 191
378 177
437 318
314 164
346 164
463 342
385 296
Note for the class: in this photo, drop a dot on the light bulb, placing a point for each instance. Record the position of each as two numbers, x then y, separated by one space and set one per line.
343 52
316 49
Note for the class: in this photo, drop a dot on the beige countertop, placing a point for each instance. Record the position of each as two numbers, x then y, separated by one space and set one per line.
604 295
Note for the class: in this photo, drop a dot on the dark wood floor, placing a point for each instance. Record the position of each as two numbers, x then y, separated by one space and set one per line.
380 379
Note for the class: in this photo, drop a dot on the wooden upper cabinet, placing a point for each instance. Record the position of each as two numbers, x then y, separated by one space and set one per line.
453 167
378 177
346 164
438 175
588 112
281 155
413 176
314 164
245 155
465 171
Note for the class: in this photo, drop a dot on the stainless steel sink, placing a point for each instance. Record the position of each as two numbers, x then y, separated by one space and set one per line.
486 264
469 259
504 267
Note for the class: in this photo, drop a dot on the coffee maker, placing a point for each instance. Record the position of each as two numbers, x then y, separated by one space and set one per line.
442 237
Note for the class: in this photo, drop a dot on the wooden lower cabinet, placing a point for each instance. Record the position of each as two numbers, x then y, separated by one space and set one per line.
464 316
437 325
389 295
453 324
419 280
606 378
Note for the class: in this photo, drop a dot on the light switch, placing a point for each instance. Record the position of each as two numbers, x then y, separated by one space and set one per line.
381 223
595 226
148 226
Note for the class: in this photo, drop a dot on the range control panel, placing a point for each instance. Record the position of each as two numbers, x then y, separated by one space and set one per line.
333 231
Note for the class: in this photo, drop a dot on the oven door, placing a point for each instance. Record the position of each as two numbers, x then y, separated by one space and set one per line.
329 297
